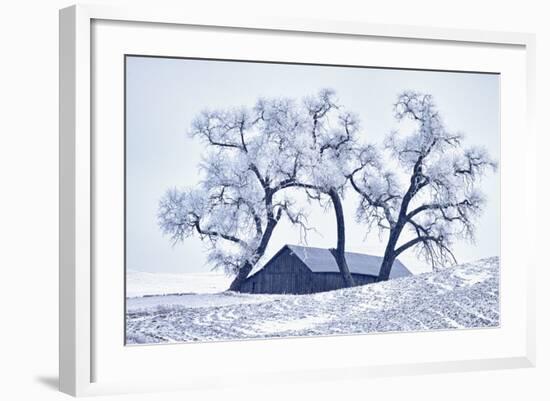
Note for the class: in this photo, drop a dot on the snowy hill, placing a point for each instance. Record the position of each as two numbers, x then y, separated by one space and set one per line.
464 296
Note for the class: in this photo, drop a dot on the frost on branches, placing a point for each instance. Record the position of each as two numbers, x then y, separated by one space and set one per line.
420 188
256 160
439 200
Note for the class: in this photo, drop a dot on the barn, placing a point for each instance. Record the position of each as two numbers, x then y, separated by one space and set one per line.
305 270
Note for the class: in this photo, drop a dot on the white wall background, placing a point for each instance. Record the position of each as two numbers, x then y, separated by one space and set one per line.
29 185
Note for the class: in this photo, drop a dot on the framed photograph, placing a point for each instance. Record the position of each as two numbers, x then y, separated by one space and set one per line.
287 200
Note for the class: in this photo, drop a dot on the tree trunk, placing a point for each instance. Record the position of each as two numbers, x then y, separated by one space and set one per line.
247 267
385 268
389 255
241 276
339 252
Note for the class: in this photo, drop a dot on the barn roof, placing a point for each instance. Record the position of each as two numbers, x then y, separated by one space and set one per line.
321 260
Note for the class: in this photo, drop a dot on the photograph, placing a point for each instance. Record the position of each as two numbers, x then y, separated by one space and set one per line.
272 200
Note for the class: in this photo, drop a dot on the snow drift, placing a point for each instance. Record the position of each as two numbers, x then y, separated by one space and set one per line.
464 296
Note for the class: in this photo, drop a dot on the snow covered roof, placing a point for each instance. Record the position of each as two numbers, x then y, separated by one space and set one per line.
320 260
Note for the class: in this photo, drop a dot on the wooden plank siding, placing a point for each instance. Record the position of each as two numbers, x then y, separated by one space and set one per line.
285 273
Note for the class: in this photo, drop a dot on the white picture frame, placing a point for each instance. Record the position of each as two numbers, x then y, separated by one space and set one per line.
79 317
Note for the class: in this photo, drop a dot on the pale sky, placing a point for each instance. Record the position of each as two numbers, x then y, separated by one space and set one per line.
164 95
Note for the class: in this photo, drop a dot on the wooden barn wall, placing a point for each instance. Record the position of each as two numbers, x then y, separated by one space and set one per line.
333 281
288 275
284 275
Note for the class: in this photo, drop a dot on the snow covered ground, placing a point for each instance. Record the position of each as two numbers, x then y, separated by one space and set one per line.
143 283
464 296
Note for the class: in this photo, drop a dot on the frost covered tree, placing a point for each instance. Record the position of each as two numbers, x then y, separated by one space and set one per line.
328 144
255 159
438 202
239 201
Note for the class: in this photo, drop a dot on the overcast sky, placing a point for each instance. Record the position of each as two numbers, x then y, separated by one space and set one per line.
164 95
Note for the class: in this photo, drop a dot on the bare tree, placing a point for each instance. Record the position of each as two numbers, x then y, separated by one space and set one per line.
237 205
438 203
254 158
330 140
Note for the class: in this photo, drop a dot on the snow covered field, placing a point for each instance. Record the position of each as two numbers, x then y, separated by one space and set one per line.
143 283
464 296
